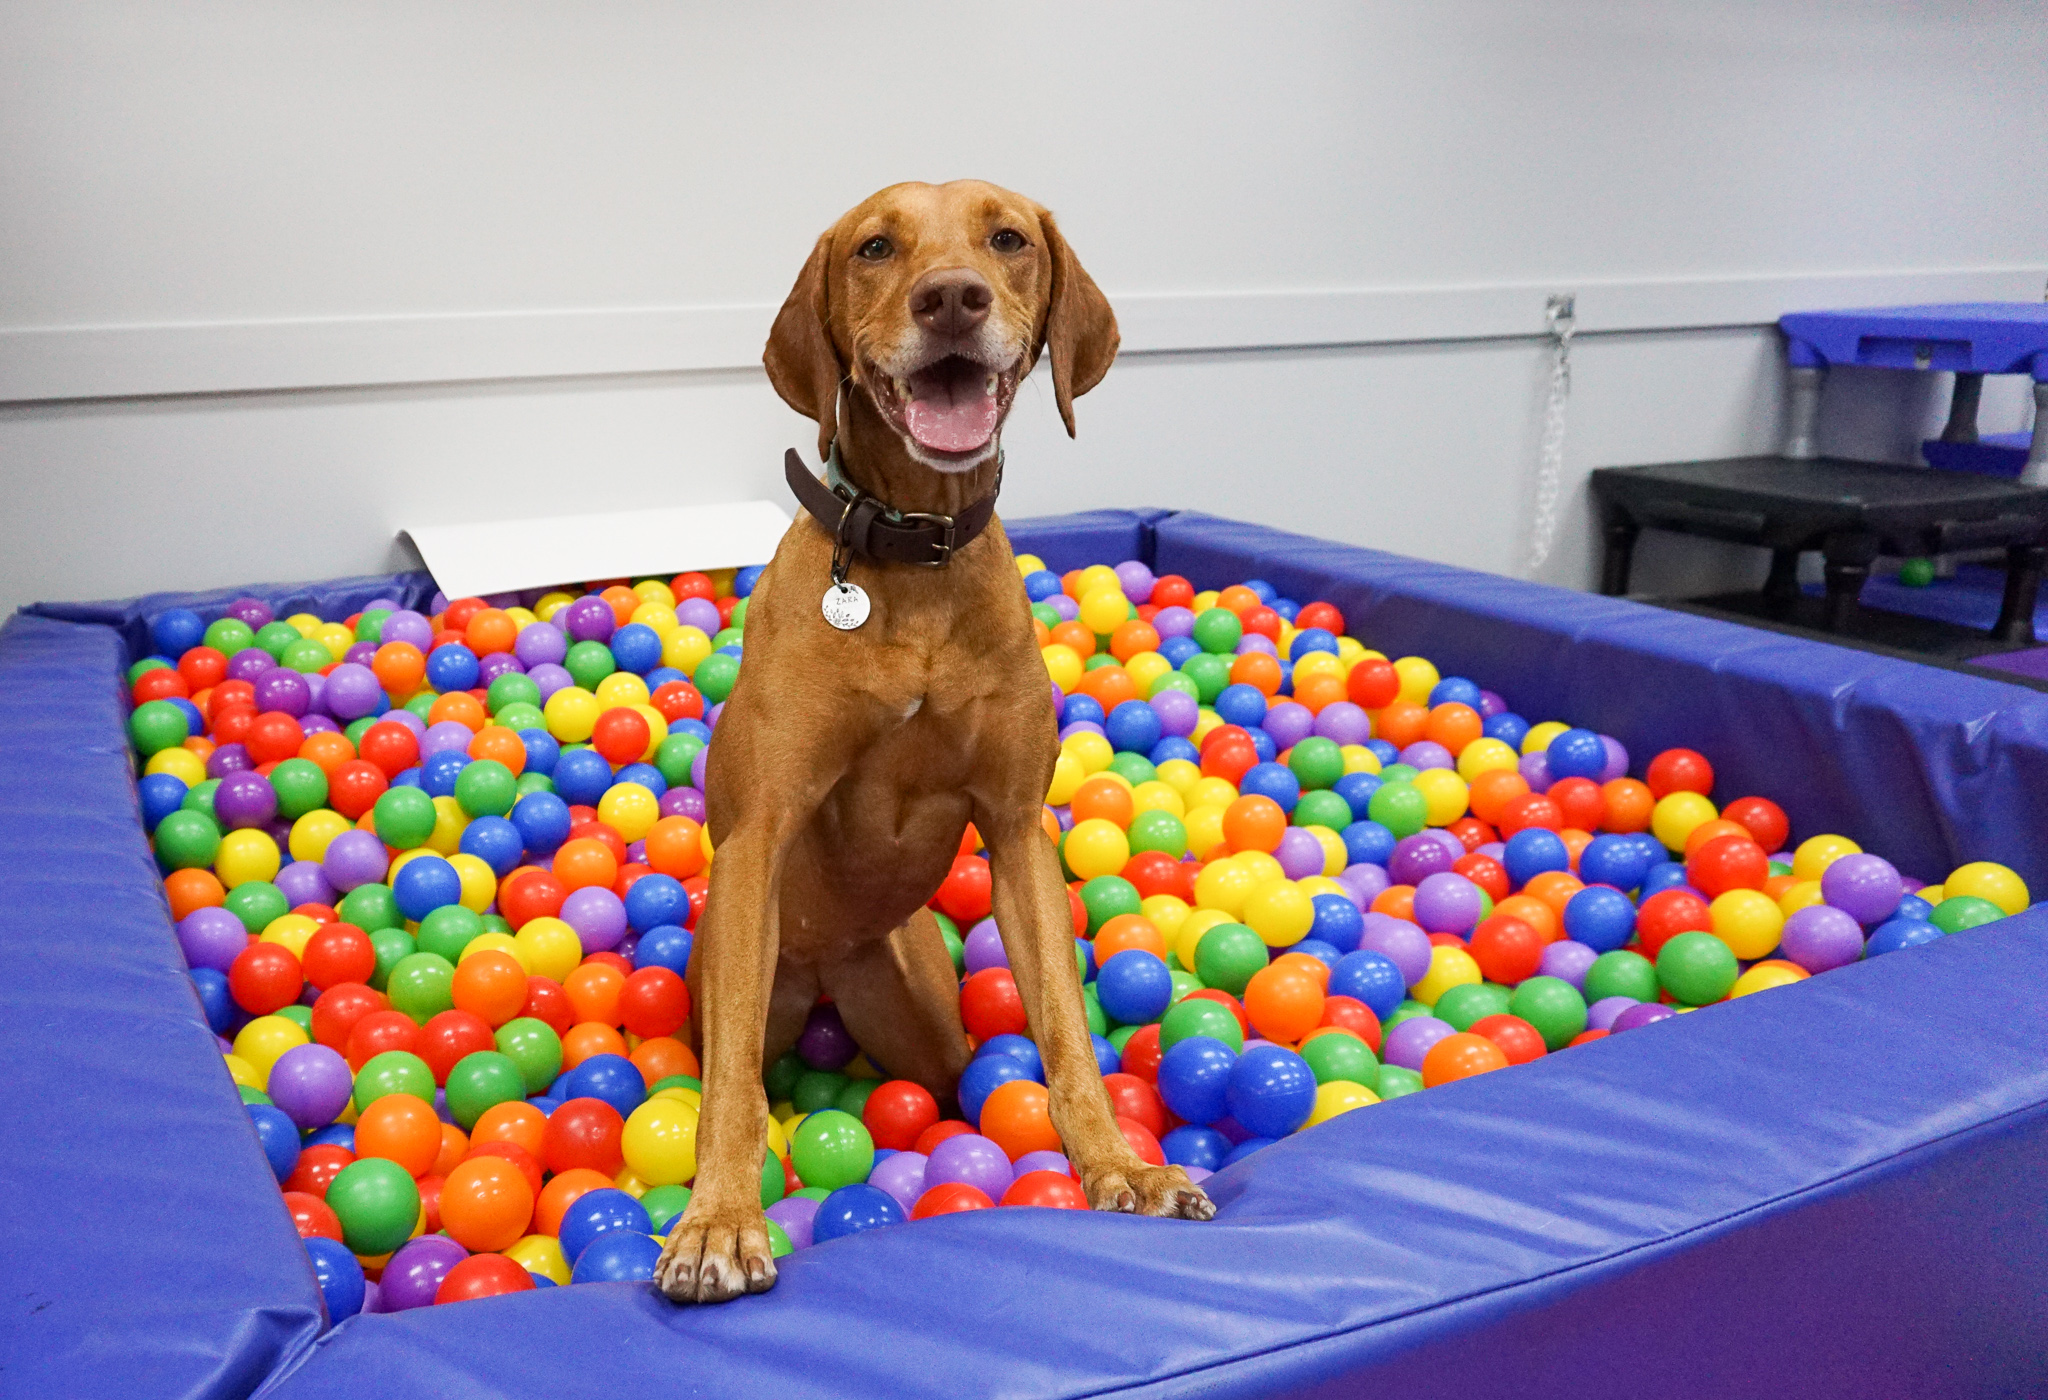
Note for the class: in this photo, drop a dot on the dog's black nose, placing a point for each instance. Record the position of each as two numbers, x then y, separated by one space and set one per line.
951 302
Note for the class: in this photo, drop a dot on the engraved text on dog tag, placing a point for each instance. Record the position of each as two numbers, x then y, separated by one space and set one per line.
846 605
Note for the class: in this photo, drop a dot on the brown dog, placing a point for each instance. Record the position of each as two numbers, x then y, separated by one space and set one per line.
849 762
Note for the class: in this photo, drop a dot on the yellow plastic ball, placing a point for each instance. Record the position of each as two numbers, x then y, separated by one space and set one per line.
1155 796
1448 968
521 618
1360 759
1418 677
620 688
1766 975
1317 663
1444 795
1983 879
1676 815
653 590
1748 921
337 639
552 603
660 1142
684 648
1279 913
1335 854
632 1185
183 764
1205 829
1092 750
1224 885
305 624
1803 895
264 1040
1067 777
494 941
1097 576
1197 923
629 809
1539 736
657 730
1263 869
662 619
479 881
1181 776
551 947
1029 564
1485 755
1096 847
1321 884
1206 720
1105 610
292 931
1933 894
312 833
1145 670
571 714
403 859
542 1255
1063 664
778 1140
244 856
681 1093
1210 792
1339 1096
1204 601
1817 853
242 1072
449 822
1167 912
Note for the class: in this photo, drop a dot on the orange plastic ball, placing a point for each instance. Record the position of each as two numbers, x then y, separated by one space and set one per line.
401 1129
585 862
563 1191
1318 692
1492 790
490 630
1554 888
1397 900
462 707
1110 686
500 745
486 1203
675 847
1254 823
491 985
1132 638
1460 1056
593 990
1402 723
1533 912
1127 931
1258 670
327 751
193 889
1283 1003
588 1039
516 1122
1306 964
454 1146
1454 726
660 1056
625 602
1075 634
1239 599
1017 1117
399 668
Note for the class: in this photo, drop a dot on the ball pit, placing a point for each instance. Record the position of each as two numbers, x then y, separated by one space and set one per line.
1276 928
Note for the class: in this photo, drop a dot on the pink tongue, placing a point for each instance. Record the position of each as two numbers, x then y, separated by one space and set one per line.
947 422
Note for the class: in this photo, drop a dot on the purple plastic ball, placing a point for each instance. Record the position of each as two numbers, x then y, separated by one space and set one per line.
228 758
253 611
1043 1160
405 625
304 882
1066 607
597 915
1178 713
1865 887
414 1272
700 613
794 1214
588 619
1617 760
825 1042
1407 1043
1288 722
1491 704
683 802
1641 1014
211 937
1136 579
1300 854
1600 1015
249 663
548 678
448 736
697 768
538 643
497 664
1081 726
1346 723
410 720
361 653
1568 960
354 858
984 948
1447 903
1172 622
1400 942
244 799
282 688
1366 882
901 1175
311 1083
1820 937
352 692
1418 857
971 1159
1259 642
1535 770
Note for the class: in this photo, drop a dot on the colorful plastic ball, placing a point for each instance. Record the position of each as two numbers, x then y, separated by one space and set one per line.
340 1275
1447 902
377 1204
1460 1056
1194 1078
831 1149
972 1160
1048 1189
1271 1090
1864 886
1748 921
310 1084
1820 938
1228 954
1615 860
1332 1057
279 1136
596 1213
1555 1007
1621 973
1696 968
611 1079
1134 987
1987 880
1533 851
1576 753
1448 967
853 1208
1600 917
1897 934
618 1256
1958 912
480 1082
660 1142
1369 977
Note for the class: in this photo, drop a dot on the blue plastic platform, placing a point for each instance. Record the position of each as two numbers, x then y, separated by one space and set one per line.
1983 337
1828 1190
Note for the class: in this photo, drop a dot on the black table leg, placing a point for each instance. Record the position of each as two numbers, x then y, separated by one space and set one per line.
1620 532
1782 587
2023 565
1848 566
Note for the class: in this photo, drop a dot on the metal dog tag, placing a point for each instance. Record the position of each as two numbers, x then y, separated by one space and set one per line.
846 605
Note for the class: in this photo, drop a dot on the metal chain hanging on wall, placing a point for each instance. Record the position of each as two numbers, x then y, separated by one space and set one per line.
1558 312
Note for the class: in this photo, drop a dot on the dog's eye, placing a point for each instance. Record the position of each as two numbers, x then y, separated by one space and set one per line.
1007 241
877 248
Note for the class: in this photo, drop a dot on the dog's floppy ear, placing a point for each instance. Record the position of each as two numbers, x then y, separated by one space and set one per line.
802 363
1080 329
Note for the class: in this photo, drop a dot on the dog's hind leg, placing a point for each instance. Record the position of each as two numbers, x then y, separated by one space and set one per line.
900 998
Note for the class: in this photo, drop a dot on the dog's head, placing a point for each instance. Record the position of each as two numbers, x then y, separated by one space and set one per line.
935 301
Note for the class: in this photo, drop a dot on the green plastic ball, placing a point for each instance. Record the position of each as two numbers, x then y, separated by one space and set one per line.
1218 631
1553 1006
816 1090
199 798
157 725
274 637
404 817
716 675
854 1097
512 688
1399 807
781 1078
664 1203
1048 614
256 903
674 755
832 1149
520 717
1184 981
956 946
187 840
1091 1007
1199 1016
1107 896
393 1072
486 788
252 1094
230 635
773 1181
1396 1083
1399 773
300 1016
1322 808
1621 974
532 1045
377 1204
306 656
1346 1057
1697 968
1175 680
370 907
1317 762
1408 1008
1463 1005
301 787
482 1080
1962 911
448 930
1209 672
1133 768
1916 573
392 946
778 1239
139 669
534 782
422 985
1227 955
421 705
588 663
356 729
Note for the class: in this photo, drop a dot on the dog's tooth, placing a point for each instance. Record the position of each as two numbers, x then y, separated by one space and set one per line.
989 385
903 389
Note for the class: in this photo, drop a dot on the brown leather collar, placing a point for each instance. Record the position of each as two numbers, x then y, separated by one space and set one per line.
860 524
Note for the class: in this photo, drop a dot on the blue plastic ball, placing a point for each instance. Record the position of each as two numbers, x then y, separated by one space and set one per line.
1192 1145
1373 978
1133 727
1454 690
1172 747
582 777
655 900
1194 1078
495 842
1134 987
595 1213
411 777
1357 789
439 772
214 997
1663 875
1383 751
162 794
743 580
543 821
342 1286
1619 861
613 1078
176 631
1042 584
1178 649
542 751
427 883
1508 727
617 1256
1273 780
1896 933
1265 591
667 946
1368 843
983 1077
852 1209
1108 1058
1338 922
1241 704
1601 918
637 648
1532 851
1081 709
1322 952
1272 1091
1310 640
1912 906
194 721
1286 607
1019 1048
644 775
279 1136
333 1135
453 666
1263 745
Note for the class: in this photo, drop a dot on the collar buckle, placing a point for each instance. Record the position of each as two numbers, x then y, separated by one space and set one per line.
944 545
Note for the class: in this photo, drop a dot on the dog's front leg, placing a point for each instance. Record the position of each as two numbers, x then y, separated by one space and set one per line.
1032 914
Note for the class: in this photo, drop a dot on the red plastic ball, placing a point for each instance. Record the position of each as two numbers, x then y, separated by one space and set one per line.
621 735
584 1133
449 1036
538 894
161 684
1486 872
937 1133
547 1002
1680 770
1320 614
265 977
964 894
528 1164
203 667
1142 1054
1132 1097
378 1032
1529 810
354 787
1580 802
1373 685
1172 591
949 1198
1763 819
483 1276
1517 1039
1229 760
1142 1141
317 1168
312 1215
1156 872
340 1007
678 700
1668 913
1351 1014
1727 863
990 1006
1472 833
1055 1190
654 1001
390 746
274 737
339 953
1507 950
898 1112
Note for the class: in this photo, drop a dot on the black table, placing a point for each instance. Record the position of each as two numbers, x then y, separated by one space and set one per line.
1849 511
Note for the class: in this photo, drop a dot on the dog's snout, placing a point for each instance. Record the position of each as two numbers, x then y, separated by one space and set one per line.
951 302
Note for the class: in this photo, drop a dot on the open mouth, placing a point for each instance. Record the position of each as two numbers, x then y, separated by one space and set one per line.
951 407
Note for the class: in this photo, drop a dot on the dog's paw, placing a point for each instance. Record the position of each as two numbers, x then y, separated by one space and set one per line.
714 1255
1147 1190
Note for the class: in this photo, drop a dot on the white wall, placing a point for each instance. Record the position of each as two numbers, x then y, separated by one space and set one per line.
282 278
